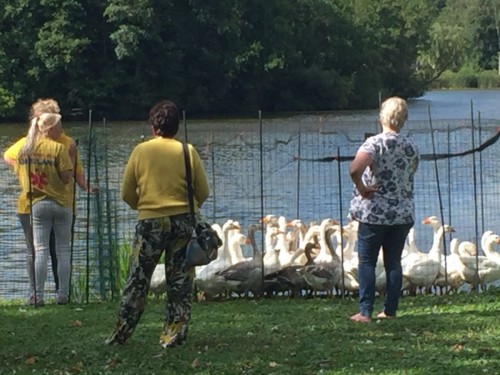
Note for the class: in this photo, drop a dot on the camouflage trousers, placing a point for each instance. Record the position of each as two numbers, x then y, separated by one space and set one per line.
152 238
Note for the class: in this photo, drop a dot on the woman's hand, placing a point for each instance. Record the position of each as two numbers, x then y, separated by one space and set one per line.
72 150
366 191
92 189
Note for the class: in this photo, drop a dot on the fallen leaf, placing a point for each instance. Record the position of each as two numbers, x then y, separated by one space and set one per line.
76 323
273 364
195 363
112 363
31 360
77 368
458 347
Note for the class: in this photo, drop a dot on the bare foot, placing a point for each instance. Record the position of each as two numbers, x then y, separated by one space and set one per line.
359 318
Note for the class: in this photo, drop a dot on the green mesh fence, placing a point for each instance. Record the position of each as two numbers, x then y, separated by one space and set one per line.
255 167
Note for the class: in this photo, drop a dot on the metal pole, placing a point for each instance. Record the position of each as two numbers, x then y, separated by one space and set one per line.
73 220
261 146
87 249
474 179
481 172
436 170
212 154
341 213
33 252
297 214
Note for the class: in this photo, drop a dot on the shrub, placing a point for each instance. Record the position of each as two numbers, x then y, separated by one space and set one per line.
488 79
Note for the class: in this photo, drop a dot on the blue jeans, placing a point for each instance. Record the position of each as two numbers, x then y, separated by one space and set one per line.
391 238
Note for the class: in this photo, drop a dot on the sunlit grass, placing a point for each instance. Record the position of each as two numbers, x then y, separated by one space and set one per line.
457 334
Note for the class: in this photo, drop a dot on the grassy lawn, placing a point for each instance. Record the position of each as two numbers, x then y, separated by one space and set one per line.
458 334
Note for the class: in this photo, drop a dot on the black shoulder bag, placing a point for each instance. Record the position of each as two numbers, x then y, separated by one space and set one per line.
202 248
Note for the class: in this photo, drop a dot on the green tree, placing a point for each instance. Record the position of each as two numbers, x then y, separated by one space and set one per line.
394 33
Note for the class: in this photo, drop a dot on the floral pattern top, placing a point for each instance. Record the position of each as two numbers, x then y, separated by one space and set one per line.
395 160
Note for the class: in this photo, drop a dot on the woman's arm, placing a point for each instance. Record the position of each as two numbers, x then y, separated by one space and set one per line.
9 161
362 161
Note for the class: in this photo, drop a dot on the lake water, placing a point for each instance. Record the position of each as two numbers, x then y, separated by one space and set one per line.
260 167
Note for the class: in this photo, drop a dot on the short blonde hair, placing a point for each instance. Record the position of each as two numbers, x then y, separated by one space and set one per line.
47 105
394 113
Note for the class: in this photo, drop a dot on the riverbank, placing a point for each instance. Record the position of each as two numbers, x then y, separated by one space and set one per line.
467 78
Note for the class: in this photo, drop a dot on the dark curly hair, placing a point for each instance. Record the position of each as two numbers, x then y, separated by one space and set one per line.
164 118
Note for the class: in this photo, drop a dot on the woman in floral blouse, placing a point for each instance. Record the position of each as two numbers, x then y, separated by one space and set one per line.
383 172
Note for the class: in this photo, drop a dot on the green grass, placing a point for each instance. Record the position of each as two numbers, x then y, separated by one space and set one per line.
458 334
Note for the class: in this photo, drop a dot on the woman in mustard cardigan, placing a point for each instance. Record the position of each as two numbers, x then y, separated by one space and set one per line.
154 184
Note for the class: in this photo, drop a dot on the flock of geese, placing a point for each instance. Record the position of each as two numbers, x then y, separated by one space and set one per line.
306 260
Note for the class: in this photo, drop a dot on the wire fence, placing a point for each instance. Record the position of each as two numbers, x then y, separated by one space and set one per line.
297 169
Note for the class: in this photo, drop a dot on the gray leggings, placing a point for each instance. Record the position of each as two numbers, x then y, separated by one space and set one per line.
50 216
28 235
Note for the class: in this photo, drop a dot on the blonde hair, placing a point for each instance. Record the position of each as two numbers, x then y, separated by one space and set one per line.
38 125
394 113
40 106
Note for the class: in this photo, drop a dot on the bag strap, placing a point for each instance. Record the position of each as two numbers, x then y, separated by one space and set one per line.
189 181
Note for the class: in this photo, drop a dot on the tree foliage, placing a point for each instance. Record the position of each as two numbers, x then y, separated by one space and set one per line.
234 56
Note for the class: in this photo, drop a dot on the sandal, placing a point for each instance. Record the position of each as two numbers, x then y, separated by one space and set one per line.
360 318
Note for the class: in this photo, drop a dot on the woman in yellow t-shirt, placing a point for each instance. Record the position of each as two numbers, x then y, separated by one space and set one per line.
45 168
38 107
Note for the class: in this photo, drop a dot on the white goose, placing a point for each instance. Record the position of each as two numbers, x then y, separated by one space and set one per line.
492 273
299 257
271 256
206 280
220 233
349 232
423 269
283 242
488 240
236 240
452 267
158 283
325 254
472 265
299 229
411 244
